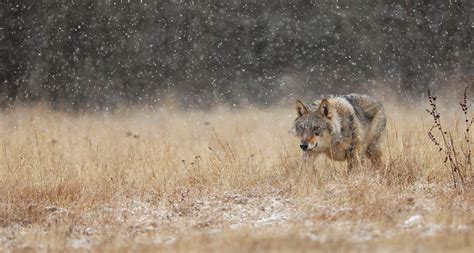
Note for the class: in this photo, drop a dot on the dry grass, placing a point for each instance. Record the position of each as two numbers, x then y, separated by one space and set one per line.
219 181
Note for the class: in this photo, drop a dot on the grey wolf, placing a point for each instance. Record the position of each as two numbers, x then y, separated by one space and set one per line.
344 128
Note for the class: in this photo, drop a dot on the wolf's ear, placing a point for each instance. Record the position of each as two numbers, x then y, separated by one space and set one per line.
301 108
324 107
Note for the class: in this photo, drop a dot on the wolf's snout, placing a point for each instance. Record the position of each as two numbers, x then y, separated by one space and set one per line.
304 146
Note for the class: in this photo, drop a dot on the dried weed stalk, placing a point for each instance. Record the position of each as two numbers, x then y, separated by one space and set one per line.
457 155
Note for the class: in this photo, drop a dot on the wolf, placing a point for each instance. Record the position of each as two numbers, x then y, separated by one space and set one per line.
344 128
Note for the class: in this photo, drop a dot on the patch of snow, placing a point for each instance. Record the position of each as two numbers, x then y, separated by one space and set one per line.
82 243
462 227
167 240
90 231
365 233
414 220
432 229
314 237
237 225
274 218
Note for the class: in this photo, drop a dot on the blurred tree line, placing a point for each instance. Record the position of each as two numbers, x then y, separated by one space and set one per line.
97 54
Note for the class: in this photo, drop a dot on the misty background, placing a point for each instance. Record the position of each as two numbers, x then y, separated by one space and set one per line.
96 54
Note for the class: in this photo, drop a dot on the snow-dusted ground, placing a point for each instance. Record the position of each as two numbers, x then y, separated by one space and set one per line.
164 223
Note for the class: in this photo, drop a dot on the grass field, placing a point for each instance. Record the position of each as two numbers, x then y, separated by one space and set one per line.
224 181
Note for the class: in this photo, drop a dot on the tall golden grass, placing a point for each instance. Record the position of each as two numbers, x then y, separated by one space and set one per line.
220 180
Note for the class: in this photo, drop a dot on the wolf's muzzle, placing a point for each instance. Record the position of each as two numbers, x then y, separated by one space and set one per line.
304 146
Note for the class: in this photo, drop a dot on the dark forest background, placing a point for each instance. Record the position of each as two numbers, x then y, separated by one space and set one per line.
97 54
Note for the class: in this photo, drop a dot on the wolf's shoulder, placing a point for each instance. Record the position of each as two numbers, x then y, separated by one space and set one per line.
363 99
366 107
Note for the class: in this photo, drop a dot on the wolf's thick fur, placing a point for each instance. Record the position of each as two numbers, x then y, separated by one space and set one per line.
344 128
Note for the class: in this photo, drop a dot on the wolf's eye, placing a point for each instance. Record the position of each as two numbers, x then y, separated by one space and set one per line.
316 131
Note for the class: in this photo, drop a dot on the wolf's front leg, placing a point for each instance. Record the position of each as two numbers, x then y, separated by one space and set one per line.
351 163
353 158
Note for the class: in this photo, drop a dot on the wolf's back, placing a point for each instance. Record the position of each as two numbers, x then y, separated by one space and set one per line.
366 107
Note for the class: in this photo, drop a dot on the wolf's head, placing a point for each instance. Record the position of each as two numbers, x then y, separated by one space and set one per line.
313 127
